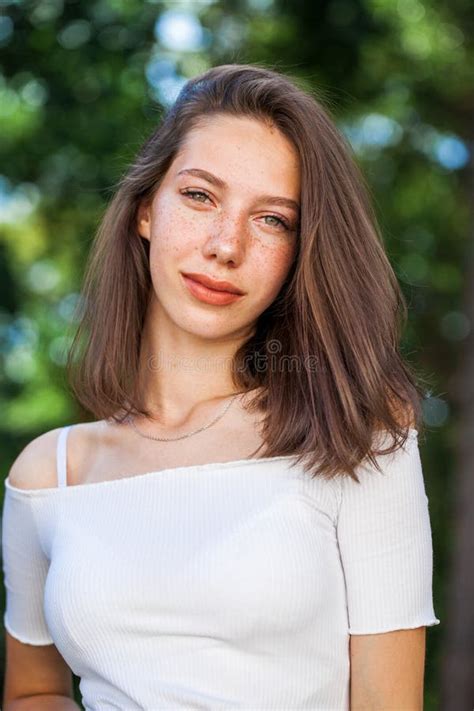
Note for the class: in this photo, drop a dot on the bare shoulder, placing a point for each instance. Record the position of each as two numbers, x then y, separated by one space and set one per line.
35 465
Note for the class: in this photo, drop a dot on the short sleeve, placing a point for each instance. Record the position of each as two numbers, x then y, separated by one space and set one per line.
384 537
25 567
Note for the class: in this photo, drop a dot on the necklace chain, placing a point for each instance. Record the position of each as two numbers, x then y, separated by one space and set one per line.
189 434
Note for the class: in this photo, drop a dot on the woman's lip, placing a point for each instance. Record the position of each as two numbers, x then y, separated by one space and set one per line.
211 283
209 296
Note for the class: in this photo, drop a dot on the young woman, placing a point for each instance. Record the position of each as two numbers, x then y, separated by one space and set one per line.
244 524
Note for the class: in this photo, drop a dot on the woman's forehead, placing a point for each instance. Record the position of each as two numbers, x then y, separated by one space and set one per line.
249 157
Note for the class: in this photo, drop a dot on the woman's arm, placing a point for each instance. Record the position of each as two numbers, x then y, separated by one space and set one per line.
387 670
36 675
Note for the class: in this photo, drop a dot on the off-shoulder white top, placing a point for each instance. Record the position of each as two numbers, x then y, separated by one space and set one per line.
218 586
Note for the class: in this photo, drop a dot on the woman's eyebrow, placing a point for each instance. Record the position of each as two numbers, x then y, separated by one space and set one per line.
218 182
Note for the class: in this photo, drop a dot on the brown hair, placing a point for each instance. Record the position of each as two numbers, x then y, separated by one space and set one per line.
340 310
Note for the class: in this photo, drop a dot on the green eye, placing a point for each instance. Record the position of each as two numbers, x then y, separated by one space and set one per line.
192 193
279 220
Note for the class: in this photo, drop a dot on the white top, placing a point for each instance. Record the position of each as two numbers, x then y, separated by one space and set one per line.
218 586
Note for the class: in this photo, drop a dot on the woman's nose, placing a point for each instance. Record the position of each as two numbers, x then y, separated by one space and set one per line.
227 241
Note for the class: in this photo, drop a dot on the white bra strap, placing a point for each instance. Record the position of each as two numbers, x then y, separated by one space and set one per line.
61 456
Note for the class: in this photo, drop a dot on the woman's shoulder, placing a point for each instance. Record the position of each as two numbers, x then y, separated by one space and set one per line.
35 467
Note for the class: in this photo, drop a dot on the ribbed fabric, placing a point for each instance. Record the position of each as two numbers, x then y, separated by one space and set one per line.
218 586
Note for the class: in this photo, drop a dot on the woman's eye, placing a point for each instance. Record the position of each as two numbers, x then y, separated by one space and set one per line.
279 220
192 193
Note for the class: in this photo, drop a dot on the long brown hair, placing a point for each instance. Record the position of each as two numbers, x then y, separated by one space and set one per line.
340 311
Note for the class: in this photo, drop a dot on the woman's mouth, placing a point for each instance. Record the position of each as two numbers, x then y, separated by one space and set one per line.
209 296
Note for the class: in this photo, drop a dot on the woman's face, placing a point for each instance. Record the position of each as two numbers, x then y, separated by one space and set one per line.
223 210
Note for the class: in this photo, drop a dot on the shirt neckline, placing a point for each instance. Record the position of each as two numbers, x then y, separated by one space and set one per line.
42 491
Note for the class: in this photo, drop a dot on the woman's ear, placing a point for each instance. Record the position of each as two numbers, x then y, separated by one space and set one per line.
143 220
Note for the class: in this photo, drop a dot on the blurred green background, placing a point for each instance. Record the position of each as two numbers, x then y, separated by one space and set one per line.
83 83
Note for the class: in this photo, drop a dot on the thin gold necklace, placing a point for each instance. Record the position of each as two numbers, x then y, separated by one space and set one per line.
189 434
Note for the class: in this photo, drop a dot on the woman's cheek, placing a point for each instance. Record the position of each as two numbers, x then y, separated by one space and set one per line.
268 276
275 263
